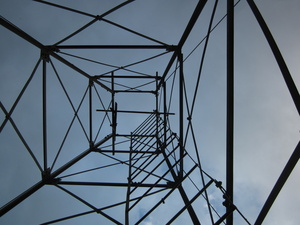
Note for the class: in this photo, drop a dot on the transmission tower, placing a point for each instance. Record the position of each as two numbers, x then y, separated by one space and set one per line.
115 125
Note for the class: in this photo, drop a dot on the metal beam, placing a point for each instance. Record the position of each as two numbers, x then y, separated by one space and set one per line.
191 201
277 54
185 35
44 110
113 47
279 184
125 151
131 111
10 205
110 184
230 107
181 113
46 49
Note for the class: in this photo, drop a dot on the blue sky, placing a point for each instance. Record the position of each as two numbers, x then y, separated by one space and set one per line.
266 120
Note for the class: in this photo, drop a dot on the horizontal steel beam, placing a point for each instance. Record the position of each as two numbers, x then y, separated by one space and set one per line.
135 91
111 184
169 48
125 151
131 111
130 76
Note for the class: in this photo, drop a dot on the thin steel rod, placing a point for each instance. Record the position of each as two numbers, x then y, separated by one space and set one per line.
277 54
203 56
156 111
190 127
136 33
44 112
111 47
213 28
66 8
116 8
117 84
91 84
177 185
68 217
145 146
20 95
76 113
165 114
226 215
104 64
33 41
191 202
111 184
144 123
146 192
21 137
64 61
130 111
20 32
96 18
129 183
185 35
144 133
181 105
134 63
113 112
279 184
103 208
10 205
119 162
89 205
182 192
135 135
126 151
134 91
146 165
145 143
74 117
77 31
132 76
106 114
126 163
151 172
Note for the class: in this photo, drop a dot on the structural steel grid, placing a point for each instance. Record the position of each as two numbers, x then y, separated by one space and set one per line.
107 124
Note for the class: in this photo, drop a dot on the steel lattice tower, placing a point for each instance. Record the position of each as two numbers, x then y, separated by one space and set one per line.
128 150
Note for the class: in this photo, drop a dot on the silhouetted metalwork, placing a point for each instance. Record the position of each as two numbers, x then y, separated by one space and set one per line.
158 161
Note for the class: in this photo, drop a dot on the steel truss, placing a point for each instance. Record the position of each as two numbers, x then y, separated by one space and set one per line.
159 168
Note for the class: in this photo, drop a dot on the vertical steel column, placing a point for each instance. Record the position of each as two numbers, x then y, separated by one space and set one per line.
165 112
44 103
156 110
230 106
113 112
181 90
91 83
129 184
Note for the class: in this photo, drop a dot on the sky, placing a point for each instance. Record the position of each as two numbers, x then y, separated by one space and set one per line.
266 129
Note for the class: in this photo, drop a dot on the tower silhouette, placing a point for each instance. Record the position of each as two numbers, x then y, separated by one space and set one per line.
111 131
